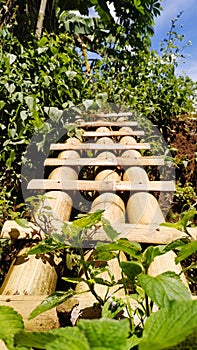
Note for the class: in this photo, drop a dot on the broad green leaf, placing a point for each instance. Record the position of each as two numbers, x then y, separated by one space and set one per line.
104 255
43 41
89 220
22 222
51 301
11 322
46 246
123 244
186 250
105 333
170 325
41 340
164 288
73 339
109 230
131 268
132 342
150 253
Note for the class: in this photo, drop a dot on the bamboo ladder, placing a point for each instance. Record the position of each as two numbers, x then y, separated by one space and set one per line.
118 169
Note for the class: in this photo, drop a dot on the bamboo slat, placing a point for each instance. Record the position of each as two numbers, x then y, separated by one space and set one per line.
103 123
135 232
141 161
91 185
112 133
25 304
97 146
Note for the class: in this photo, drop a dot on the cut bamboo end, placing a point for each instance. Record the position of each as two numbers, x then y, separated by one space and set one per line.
131 154
73 141
63 173
57 205
136 175
107 155
107 175
102 129
30 275
113 206
143 208
68 155
164 263
127 140
105 140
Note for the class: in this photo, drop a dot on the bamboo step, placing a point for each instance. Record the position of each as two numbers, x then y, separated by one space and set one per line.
103 123
112 133
97 146
25 304
115 161
101 186
152 234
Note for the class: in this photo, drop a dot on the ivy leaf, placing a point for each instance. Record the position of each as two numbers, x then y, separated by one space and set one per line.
11 322
51 301
186 251
164 288
170 325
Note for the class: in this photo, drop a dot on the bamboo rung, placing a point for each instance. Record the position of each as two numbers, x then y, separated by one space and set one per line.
103 123
97 146
115 161
113 133
135 232
25 304
101 186
112 115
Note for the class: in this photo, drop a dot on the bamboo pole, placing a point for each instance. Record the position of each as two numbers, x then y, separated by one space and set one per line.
40 20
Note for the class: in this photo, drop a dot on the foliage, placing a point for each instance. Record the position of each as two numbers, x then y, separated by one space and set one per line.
169 325
185 196
35 80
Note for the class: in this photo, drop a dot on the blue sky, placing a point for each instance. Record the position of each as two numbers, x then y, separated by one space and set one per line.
188 21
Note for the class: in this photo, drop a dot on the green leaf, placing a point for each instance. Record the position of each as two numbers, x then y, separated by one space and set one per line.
51 301
72 339
88 220
2 104
150 253
46 246
109 230
170 325
22 222
131 268
11 322
133 341
105 333
186 251
50 339
164 288
123 244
